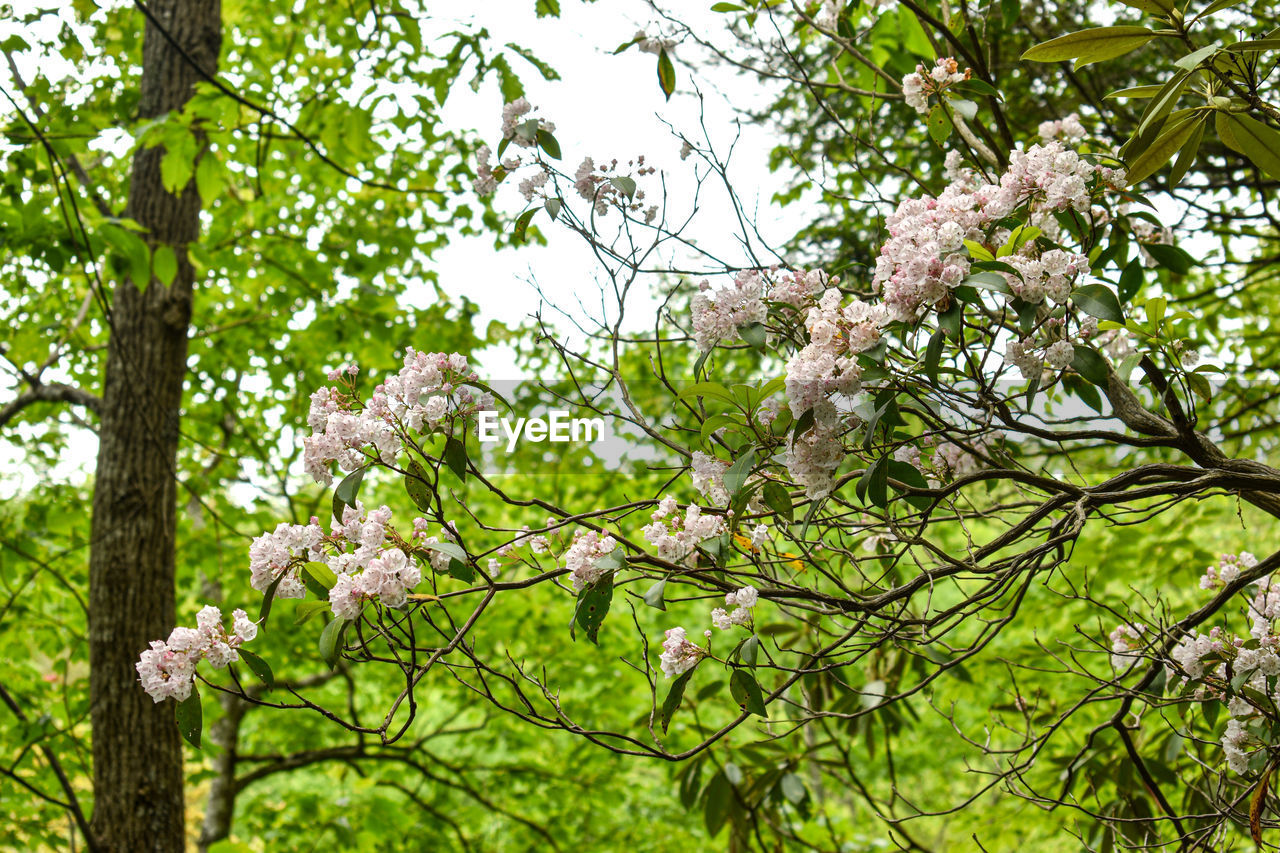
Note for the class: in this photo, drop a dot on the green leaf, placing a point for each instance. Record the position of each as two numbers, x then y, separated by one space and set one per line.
190 718
719 798
269 596
755 334
306 609
331 640
177 165
978 251
654 596
666 74
345 494
992 281
322 573
1136 92
674 695
164 264
552 206
625 185
939 124
778 499
259 667
1089 364
793 789
875 482
593 606
209 178
459 564
949 320
1153 117
750 650
522 225
933 354
455 456
1164 147
1193 59
417 485
1131 280
1098 301
548 143
1151 7
726 7
735 476
1187 156
1259 143
1170 257
1092 45
746 692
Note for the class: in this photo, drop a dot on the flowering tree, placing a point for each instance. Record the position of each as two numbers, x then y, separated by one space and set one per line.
862 481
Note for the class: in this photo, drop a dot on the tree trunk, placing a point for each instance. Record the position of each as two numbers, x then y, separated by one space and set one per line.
137 755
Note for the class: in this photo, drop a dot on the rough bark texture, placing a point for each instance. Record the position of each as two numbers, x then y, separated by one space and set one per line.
137 755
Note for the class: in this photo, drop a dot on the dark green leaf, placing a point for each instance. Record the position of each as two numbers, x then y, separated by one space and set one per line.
269 596
331 641
548 143
1089 364
1098 301
674 695
778 499
933 354
345 494
455 456
746 692
417 485
593 606
1170 257
190 718
259 667
1130 280
735 476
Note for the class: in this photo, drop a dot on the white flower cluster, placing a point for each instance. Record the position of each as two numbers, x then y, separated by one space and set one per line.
281 552
580 559
1227 570
1238 672
1068 129
168 669
600 186
708 477
677 534
1125 641
513 115
742 601
718 313
419 397
387 578
362 551
678 654
813 456
925 255
923 82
